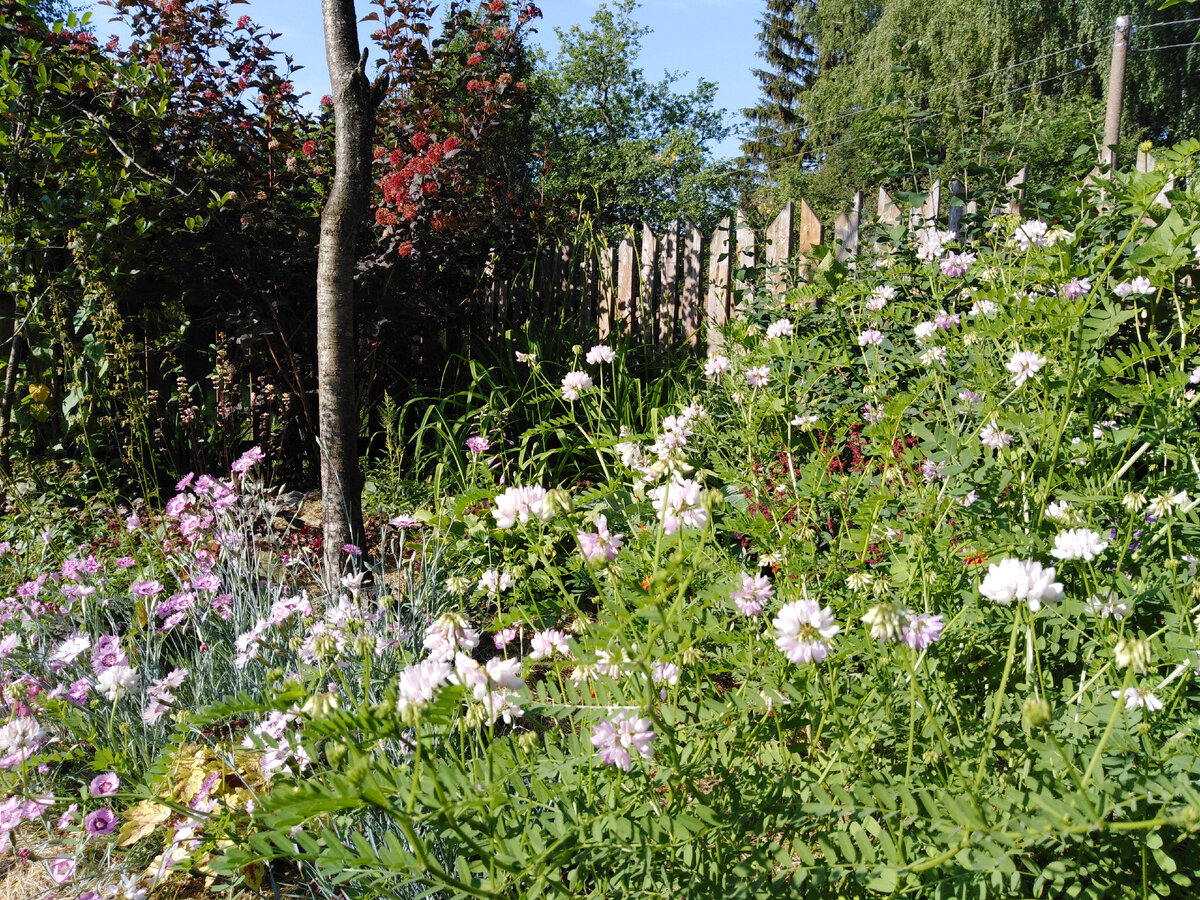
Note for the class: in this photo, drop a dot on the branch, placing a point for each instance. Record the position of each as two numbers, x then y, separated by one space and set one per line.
129 160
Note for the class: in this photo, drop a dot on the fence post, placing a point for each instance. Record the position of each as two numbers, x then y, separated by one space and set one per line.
717 300
887 212
745 248
690 296
668 280
845 229
779 246
925 215
606 295
1016 205
1116 91
566 294
588 263
647 285
954 219
812 233
626 285
1146 163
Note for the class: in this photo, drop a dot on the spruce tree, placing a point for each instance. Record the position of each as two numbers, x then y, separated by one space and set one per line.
790 56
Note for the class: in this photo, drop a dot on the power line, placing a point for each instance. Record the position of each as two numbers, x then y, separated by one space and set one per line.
974 78
819 150
940 87
1164 47
1150 25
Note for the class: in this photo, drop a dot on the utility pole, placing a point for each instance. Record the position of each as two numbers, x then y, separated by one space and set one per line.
1116 91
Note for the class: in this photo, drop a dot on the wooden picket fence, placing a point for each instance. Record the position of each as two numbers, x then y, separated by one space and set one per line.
659 289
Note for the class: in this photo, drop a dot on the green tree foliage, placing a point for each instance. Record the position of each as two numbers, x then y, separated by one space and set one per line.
160 209
622 149
790 56
904 87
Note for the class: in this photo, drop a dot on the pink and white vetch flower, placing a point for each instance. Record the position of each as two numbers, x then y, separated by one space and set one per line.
803 630
615 738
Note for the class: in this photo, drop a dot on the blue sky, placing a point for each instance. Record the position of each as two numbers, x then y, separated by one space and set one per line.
712 39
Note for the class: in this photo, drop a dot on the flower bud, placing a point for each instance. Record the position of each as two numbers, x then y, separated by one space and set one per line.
1035 712
1133 653
320 705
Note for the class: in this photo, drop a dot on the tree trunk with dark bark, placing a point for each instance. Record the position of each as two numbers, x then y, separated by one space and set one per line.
354 103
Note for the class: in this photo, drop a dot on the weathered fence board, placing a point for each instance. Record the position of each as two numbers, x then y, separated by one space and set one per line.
626 286
845 229
647 292
716 301
691 297
661 289
668 280
745 248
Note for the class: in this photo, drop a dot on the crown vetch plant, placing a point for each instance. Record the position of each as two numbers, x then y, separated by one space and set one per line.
705 659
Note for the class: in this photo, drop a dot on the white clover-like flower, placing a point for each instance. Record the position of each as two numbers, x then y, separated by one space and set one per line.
880 297
601 353
871 337
1139 697
983 307
803 630
493 581
1014 579
753 594
1024 365
518 504
1078 543
1164 503
885 621
780 328
931 243
757 376
934 356
1061 511
449 633
418 684
1139 285
21 734
1030 234
116 681
993 437
924 330
678 503
504 673
618 738
1133 653
549 643
574 384
1106 606
717 366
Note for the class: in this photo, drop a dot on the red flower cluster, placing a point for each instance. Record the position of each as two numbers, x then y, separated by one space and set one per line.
309 148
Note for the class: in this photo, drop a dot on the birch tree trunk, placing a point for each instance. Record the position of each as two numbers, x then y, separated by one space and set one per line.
354 103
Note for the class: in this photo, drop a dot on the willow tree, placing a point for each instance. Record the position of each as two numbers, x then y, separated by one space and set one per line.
354 103
903 88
